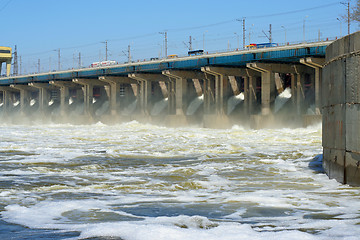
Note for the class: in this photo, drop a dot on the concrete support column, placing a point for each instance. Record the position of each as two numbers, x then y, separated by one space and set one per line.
317 91
64 95
88 90
198 88
113 94
146 80
172 96
317 64
164 89
209 94
267 80
136 90
179 96
114 84
6 99
250 99
24 96
145 92
300 95
43 96
179 92
293 90
221 89
8 67
234 85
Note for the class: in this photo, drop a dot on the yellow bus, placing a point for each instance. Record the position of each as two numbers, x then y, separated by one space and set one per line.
172 56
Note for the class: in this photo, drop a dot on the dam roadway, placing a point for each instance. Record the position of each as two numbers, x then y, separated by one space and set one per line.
256 87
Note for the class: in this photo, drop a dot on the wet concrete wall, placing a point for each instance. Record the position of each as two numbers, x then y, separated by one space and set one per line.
341 110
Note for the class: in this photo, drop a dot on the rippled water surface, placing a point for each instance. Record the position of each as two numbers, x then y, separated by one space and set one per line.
137 181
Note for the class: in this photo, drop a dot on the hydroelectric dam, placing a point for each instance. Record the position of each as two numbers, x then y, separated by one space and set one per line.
274 86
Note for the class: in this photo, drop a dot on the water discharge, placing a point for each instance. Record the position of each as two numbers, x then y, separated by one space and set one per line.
138 181
234 101
159 107
281 99
194 105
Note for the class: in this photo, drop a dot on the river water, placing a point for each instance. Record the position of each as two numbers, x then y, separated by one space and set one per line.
138 181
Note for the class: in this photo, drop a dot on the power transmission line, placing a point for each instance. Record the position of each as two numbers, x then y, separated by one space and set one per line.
6 4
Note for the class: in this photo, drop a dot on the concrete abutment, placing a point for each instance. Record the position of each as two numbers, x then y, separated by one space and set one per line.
341 111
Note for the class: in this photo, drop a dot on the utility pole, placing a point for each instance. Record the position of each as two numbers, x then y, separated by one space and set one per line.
166 43
348 13
244 30
79 59
106 51
59 65
340 26
285 33
270 34
20 65
39 65
304 28
190 44
204 40
165 35
16 67
129 54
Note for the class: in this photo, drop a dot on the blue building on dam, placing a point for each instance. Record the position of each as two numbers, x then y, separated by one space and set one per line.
274 86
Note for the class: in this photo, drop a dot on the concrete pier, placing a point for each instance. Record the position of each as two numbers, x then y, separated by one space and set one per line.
341 111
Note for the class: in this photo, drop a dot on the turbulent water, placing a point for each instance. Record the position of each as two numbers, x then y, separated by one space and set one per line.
137 181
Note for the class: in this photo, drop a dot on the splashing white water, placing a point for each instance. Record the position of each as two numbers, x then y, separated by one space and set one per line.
130 109
142 182
16 103
101 110
194 105
51 102
282 98
159 107
234 101
32 102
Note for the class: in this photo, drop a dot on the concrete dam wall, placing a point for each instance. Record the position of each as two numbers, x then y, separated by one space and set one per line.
341 110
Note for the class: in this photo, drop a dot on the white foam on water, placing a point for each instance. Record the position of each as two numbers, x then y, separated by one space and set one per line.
140 181
184 227
55 215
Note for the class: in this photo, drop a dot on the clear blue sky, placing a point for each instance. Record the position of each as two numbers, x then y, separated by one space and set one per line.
39 27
